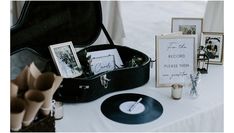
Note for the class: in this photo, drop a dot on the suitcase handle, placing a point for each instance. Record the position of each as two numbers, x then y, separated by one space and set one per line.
107 34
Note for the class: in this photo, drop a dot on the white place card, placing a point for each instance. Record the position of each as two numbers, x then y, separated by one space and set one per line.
105 60
102 64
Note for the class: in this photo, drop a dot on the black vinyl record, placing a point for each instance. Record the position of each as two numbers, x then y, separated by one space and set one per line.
147 110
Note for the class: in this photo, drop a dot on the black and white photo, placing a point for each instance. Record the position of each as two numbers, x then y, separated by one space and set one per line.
188 29
188 26
66 60
213 44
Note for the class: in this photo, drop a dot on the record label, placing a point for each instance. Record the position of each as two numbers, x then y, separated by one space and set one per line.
131 108
125 106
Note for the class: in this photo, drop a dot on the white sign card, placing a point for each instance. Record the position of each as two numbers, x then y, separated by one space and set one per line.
102 64
176 59
105 60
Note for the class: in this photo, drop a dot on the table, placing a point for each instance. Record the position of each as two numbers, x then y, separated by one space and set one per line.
202 114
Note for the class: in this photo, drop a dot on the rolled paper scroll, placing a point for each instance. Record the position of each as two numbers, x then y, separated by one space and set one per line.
17 113
48 83
34 100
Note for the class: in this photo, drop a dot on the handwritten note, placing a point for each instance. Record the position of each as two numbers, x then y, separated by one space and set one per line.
175 59
102 64
105 60
107 52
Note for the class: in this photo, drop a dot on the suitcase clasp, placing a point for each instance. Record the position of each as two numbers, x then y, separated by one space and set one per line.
104 81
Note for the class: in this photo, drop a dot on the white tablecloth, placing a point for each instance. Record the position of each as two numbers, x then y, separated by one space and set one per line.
202 114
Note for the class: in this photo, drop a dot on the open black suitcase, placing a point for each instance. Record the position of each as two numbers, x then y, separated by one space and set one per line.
43 23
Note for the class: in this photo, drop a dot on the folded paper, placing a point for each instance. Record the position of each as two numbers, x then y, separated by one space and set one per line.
57 81
14 89
33 74
21 79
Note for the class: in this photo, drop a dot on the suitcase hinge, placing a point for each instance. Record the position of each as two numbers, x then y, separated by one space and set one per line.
104 81
152 62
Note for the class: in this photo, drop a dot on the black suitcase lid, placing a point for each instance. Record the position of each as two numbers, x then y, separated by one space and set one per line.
43 23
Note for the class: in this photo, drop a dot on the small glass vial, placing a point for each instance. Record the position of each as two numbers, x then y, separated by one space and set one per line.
58 110
176 91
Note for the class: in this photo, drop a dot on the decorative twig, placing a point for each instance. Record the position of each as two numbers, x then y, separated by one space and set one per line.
195 80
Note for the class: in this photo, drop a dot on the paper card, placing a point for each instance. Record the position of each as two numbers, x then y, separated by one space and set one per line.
102 53
102 64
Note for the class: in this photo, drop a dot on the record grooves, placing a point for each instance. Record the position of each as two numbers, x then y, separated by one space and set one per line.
147 110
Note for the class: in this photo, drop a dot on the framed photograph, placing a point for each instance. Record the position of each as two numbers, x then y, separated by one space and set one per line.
66 60
176 59
213 44
188 26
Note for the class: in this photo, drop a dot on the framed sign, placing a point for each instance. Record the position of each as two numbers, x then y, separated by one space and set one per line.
213 44
176 59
